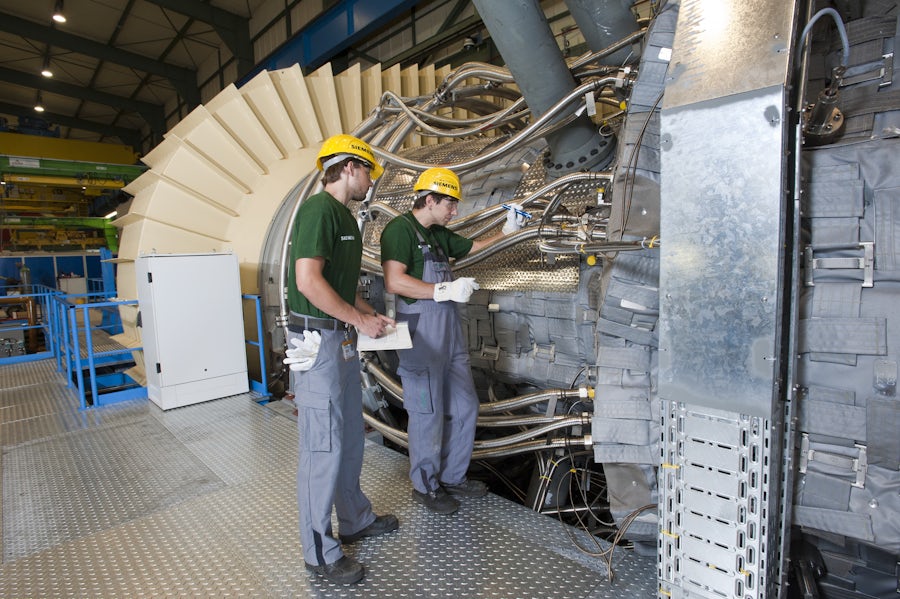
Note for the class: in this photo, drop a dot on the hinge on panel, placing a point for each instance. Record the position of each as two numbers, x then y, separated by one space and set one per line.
859 464
865 263
149 277
158 368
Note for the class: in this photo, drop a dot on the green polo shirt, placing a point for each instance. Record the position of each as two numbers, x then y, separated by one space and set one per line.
399 242
325 228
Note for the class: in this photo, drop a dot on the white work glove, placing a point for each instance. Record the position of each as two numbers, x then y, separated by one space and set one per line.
303 355
514 220
459 290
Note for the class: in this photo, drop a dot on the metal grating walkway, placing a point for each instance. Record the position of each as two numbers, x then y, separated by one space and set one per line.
130 501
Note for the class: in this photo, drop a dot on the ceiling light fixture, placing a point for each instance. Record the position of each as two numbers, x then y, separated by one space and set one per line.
39 105
46 72
58 15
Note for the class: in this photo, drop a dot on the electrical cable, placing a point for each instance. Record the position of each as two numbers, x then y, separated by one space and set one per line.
842 31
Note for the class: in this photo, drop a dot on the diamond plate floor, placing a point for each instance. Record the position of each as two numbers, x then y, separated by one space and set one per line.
131 501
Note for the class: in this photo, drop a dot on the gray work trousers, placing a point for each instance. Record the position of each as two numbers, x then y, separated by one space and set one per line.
438 394
331 442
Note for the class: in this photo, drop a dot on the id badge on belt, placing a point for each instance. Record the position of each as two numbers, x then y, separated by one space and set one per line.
348 347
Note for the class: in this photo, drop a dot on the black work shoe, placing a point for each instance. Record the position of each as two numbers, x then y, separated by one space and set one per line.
437 501
381 525
467 488
344 571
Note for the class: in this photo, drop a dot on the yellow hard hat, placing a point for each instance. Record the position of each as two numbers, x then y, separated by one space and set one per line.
439 180
345 146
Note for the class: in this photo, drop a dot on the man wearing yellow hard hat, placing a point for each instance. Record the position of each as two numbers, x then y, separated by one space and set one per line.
438 392
326 312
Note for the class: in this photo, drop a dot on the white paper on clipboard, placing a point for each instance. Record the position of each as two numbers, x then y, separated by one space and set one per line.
395 337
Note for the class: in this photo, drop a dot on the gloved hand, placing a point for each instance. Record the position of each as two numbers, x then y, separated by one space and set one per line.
303 355
459 290
514 219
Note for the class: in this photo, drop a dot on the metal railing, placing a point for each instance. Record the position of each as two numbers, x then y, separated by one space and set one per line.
31 324
74 336
76 350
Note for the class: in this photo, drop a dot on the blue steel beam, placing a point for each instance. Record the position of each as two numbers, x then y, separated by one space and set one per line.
332 32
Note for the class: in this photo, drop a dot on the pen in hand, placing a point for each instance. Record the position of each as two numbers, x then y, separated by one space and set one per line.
518 211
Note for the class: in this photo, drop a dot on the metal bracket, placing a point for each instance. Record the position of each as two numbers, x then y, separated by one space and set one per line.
883 71
865 263
490 352
545 351
859 464
888 74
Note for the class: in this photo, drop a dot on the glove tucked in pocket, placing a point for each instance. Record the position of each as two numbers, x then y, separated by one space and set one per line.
305 350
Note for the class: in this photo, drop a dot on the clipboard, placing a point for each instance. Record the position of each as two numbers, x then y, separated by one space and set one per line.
395 337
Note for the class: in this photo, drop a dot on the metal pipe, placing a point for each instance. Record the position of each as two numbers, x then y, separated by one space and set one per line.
612 48
586 247
532 446
483 124
393 434
528 399
530 433
527 420
523 136
387 382
474 70
522 35
392 386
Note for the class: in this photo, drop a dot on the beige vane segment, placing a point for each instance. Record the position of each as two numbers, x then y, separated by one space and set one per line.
168 203
439 76
147 236
262 96
427 85
372 89
178 162
324 98
390 79
409 88
349 87
232 111
208 137
293 92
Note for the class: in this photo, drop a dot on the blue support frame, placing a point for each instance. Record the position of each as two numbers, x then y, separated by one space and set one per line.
258 386
330 33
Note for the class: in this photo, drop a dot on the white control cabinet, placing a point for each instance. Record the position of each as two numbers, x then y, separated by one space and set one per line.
192 327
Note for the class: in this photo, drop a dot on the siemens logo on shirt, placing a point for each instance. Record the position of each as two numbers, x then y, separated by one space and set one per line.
348 237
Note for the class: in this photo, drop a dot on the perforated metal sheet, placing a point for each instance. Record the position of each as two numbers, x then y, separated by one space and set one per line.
517 268
200 501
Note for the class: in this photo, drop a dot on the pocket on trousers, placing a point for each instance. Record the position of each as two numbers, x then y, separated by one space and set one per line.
416 390
314 416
